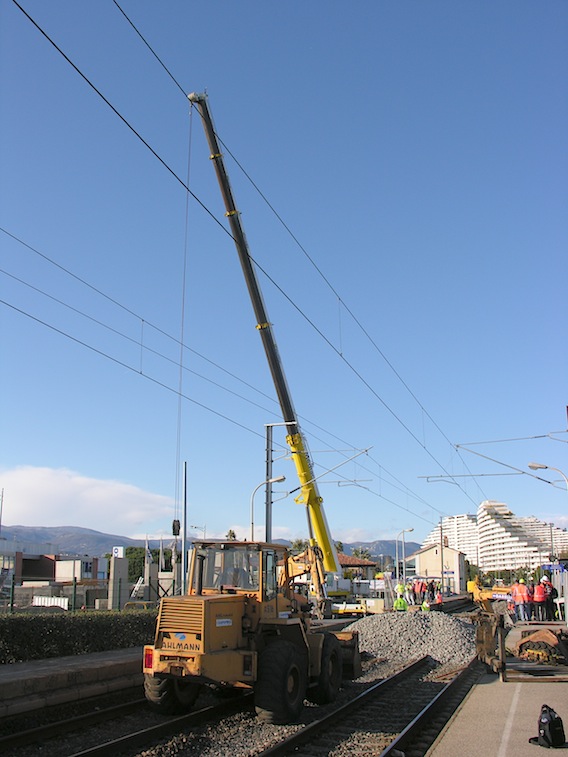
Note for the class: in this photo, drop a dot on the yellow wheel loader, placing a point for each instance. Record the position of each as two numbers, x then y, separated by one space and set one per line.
242 625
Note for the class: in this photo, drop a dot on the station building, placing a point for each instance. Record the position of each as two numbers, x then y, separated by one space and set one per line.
439 563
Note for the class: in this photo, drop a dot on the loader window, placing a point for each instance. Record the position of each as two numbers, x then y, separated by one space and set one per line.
231 568
269 582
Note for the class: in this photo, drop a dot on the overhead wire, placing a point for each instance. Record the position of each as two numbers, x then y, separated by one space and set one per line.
123 119
317 268
128 367
320 272
204 207
402 488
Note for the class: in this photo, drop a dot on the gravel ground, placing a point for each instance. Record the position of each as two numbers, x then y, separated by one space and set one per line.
401 636
387 642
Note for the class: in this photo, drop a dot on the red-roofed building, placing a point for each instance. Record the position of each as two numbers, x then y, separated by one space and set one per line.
358 566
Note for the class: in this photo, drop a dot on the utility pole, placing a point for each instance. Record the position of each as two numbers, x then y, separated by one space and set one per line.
442 554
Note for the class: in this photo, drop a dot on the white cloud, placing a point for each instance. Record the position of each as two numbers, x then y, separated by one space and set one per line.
61 497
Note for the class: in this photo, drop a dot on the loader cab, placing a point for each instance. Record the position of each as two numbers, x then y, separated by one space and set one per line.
237 567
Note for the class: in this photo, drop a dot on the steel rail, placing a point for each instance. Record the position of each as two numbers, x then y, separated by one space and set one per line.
65 727
172 726
416 726
42 732
309 732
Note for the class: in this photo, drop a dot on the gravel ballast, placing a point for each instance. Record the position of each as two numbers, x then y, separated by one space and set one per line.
388 642
448 640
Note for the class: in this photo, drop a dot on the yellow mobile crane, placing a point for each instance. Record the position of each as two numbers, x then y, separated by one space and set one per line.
242 623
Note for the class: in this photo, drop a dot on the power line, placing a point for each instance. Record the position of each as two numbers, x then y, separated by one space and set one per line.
323 277
156 56
180 394
128 367
122 118
204 207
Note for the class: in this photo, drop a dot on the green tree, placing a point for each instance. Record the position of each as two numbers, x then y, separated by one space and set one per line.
339 546
231 535
361 553
135 557
299 545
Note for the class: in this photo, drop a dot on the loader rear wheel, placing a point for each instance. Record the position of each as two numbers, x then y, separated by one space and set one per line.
329 681
170 696
281 684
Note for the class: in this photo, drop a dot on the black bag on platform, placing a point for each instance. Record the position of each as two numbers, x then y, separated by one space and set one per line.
550 729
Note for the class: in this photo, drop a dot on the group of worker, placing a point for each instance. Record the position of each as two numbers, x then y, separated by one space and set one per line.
417 592
534 601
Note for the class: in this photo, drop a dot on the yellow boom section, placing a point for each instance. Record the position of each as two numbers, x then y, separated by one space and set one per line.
312 500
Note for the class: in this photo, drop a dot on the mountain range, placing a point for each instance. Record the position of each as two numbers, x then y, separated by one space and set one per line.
73 540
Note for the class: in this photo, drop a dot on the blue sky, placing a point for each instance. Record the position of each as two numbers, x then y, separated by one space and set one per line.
417 155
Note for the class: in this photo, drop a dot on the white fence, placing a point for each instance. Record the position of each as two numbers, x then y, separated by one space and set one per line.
39 601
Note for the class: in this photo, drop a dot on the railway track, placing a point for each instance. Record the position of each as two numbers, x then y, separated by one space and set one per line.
400 715
69 736
369 719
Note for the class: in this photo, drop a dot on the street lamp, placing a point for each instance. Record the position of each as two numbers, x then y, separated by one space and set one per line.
542 466
275 480
401 533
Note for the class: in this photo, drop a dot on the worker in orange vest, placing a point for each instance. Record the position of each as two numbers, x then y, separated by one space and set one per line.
521 598
539 600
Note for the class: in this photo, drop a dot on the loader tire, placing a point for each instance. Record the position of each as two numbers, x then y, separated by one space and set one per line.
329 681
281 684
169 696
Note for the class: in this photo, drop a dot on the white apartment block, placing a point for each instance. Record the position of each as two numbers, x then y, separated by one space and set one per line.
499 540
458 532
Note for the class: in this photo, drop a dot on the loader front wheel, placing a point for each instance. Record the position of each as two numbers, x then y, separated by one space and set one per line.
169 696
281 684
329 681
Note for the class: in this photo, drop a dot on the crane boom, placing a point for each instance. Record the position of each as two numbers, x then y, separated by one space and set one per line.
317 523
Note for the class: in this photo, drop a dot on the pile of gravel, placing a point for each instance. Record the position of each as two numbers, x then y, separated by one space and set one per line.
403 636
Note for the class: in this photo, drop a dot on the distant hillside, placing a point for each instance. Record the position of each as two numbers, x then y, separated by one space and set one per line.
382 547
72 540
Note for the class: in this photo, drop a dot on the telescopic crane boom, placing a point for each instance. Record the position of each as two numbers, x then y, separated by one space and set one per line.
319 532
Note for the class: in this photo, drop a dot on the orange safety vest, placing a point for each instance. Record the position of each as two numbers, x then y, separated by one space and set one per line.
539 593
520 594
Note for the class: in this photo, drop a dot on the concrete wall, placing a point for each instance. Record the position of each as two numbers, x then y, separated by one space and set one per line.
118 586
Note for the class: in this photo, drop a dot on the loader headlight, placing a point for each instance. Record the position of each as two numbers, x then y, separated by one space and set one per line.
247 665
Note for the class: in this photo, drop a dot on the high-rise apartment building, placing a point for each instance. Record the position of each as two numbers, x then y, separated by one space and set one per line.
496 539
459 532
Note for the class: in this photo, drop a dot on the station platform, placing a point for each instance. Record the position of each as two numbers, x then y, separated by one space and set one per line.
497 718
27 686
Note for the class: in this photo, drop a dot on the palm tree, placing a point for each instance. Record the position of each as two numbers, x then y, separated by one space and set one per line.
299 545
